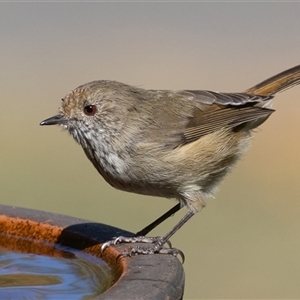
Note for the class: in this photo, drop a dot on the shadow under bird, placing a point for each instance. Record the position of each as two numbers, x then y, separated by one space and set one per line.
173 144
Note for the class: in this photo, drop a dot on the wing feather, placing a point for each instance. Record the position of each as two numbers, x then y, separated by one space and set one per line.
215 111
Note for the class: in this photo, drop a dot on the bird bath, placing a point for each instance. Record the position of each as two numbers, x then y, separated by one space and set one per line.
64 253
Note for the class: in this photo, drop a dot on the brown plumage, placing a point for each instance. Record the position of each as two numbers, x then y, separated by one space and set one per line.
174 144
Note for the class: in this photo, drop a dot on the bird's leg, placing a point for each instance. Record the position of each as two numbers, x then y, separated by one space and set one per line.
157 243
161 219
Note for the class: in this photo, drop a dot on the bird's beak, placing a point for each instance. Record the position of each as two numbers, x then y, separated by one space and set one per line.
56 120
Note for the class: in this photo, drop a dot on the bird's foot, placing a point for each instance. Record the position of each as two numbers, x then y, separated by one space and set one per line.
157 246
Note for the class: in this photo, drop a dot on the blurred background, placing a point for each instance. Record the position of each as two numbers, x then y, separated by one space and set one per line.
246 242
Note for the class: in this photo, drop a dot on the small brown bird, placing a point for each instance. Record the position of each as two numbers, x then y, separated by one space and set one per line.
174 144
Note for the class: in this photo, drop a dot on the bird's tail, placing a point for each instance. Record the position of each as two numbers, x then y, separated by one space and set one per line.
277 83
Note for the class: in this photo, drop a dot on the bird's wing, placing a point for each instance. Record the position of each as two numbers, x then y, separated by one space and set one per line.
214 111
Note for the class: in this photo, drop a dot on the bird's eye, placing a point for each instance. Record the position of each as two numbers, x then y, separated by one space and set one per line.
90 110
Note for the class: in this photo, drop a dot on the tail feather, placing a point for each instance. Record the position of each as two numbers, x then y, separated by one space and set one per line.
277 83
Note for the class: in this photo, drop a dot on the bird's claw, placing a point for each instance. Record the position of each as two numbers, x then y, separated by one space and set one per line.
156 247
131 251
